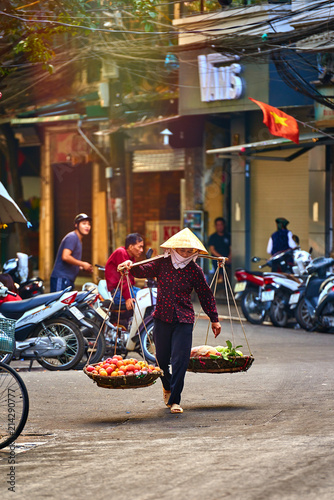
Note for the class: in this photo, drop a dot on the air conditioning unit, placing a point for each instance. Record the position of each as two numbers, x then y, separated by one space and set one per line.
109 69
104 94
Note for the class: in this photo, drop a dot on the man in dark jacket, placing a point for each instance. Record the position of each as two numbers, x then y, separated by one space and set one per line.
280 240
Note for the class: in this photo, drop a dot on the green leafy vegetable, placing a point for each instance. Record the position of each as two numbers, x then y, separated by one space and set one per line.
229 351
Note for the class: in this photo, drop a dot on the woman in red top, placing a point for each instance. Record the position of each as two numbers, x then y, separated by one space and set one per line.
8 281
177 276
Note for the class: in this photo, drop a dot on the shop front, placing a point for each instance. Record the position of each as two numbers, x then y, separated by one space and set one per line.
262 186
72 182
165 155
282 180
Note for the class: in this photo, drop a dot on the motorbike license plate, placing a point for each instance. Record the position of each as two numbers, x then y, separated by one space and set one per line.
78 314
240 286
294 298
267 296
102 313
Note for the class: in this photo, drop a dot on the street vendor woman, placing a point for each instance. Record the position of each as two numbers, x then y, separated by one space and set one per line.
177 276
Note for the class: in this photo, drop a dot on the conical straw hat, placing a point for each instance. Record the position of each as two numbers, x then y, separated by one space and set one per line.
185 239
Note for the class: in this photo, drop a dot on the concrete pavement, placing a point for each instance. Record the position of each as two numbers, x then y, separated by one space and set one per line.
264 434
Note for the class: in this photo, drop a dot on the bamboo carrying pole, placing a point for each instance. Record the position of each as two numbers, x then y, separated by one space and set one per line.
223 260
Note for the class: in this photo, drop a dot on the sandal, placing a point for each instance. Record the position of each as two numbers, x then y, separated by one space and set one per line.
176 408
166 395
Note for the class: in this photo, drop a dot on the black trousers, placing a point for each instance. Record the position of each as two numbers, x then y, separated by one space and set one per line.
173 345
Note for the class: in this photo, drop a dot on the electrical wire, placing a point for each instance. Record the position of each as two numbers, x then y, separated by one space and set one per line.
128 51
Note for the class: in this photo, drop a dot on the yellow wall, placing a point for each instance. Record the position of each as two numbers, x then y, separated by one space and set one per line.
279 189
46 214
213 197
99 226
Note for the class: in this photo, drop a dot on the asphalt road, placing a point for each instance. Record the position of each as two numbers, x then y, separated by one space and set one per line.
264 434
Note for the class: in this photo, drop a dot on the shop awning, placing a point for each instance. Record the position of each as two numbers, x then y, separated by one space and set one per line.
259 150
140 123
44 119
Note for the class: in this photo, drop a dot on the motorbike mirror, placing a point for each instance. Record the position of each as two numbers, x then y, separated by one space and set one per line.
256 259
149 253
100 268
310 250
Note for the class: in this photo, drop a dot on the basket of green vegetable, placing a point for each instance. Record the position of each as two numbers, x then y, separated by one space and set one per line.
220 359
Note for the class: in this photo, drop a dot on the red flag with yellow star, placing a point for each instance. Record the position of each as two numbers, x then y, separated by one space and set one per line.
278 122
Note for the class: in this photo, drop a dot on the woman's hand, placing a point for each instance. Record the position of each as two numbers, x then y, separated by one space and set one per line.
216 328
125 266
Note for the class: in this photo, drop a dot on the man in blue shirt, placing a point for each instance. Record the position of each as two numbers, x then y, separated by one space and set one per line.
68 261
220 245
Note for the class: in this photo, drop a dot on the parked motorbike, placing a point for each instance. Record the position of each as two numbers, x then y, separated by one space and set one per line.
282 308
18 269
310 313
41 333
133 331
256 290
324 312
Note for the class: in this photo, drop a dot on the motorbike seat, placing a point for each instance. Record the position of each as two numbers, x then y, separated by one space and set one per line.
292 277
256 273
16 308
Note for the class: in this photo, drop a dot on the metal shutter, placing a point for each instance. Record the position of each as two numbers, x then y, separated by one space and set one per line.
279 189
158 160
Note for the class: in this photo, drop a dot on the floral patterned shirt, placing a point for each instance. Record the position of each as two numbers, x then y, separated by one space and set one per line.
174 290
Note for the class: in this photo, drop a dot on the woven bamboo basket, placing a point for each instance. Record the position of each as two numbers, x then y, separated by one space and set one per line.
220 365
124 381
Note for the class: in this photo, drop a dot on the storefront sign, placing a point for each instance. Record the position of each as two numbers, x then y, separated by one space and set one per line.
156 232
219 82
323 113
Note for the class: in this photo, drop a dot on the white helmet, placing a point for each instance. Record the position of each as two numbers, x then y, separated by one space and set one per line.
301 259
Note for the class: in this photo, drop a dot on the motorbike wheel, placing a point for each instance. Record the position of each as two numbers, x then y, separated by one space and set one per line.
146 337
303 316
6 358
69 331
277 312
92 354
252 308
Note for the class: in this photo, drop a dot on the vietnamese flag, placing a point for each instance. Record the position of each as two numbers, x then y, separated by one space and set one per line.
278 122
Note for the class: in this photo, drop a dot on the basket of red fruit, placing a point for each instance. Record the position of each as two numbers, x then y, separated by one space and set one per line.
119 373
207 359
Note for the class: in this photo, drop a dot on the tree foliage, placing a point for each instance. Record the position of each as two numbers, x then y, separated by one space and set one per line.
27 31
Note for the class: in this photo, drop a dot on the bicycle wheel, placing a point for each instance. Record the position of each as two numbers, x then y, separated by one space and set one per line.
14 405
